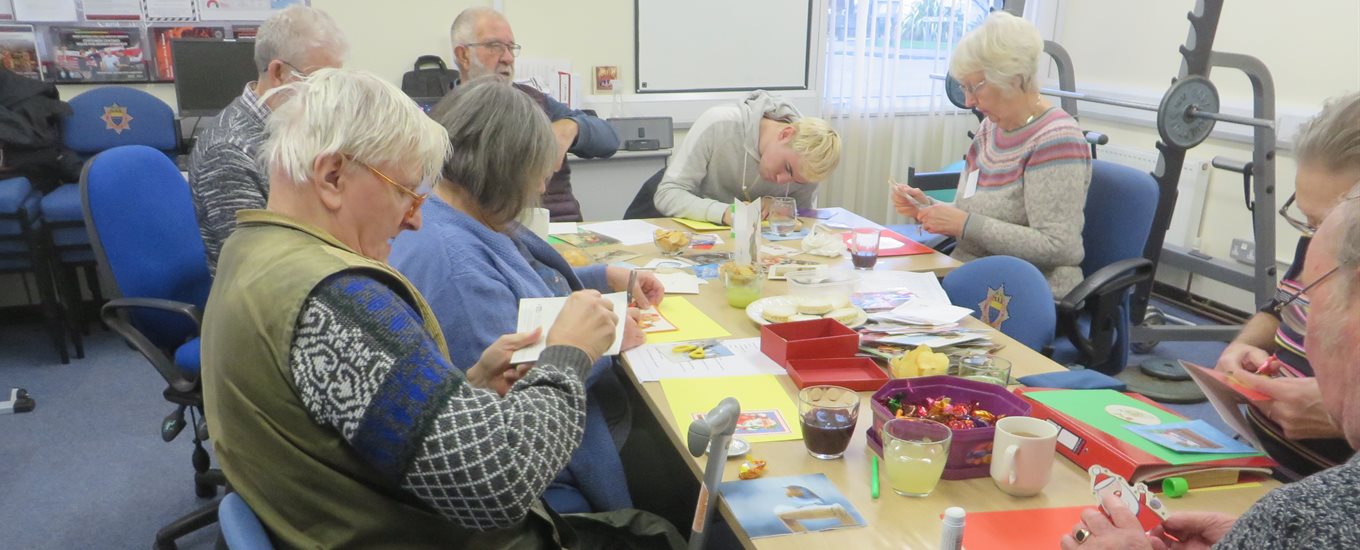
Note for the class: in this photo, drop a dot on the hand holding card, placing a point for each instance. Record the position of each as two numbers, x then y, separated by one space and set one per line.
1138 499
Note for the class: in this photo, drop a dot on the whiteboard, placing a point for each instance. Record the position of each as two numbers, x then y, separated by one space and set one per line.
721 45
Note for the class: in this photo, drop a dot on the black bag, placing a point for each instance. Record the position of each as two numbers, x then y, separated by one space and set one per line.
427 81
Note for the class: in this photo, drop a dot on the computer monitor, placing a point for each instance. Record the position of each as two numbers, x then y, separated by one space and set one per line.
209 74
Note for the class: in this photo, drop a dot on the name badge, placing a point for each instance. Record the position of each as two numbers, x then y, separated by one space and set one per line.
968 184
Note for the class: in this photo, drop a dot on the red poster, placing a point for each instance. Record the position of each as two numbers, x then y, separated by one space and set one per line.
161 37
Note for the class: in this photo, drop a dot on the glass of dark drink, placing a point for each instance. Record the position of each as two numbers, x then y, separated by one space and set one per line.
827 415
864 247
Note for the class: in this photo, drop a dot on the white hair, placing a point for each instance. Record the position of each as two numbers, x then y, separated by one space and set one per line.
350 112
293 34
1348 247
464 28
1004 48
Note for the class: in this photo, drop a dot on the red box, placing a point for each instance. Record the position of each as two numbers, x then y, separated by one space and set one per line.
970 451
815 339
856 373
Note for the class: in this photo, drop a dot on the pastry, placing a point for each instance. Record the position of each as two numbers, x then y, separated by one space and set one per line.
846 315
777 313
814 306
803 317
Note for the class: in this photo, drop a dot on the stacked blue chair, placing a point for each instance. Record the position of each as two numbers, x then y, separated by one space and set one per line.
102 118
1008 294
144 232
241 529
22 251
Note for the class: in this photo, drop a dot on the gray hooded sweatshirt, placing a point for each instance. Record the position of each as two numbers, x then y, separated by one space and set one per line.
720 153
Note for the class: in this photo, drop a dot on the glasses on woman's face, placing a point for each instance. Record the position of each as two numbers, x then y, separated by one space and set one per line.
498 48
972 89
1302 292
416 198
1296 218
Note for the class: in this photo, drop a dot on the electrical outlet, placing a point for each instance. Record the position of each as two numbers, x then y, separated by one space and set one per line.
1243 251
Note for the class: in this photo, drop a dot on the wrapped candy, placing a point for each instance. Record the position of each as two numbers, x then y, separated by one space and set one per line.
751 469
942 409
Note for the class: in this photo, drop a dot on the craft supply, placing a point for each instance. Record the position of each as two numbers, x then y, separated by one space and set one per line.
951 529
873 480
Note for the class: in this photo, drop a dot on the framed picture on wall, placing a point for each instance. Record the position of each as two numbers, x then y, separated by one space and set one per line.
604 78
19 50
97 54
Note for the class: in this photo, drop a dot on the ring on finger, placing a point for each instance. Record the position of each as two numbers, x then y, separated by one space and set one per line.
1081 535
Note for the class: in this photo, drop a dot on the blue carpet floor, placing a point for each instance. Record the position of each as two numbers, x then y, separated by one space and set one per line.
87 468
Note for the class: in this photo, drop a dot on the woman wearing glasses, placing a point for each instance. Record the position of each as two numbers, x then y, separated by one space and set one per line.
1293 427
1023 190
474 263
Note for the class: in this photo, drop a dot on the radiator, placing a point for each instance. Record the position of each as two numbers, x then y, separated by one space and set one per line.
1193 187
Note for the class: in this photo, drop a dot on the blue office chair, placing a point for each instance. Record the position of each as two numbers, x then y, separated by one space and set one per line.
240 528
101 118
144 233
1008 294
23 251
1094 316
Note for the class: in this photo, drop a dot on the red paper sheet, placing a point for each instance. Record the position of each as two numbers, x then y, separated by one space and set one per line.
1037 528
907 248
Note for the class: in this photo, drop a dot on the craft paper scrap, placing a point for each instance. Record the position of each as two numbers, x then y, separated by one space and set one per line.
1196 436
690 323
767 411
628 232
699 225
774 506
679 282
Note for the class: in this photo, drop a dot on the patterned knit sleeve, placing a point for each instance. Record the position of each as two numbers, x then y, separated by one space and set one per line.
1057 175
364 365
226 179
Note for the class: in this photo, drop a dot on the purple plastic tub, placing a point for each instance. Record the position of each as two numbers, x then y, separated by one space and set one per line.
970 452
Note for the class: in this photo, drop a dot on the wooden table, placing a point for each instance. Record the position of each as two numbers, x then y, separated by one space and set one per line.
892 521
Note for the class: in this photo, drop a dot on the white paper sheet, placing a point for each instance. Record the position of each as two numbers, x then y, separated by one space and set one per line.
746 232
173 10
45 10
113 9
923 284
542 312
627 232
561 228
652 362
679 283
923 314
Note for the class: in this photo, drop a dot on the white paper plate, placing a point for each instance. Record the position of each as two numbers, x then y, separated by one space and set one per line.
757 308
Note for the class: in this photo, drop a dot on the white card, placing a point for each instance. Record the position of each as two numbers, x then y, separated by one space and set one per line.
627 232
746 232
542 312
679 282
969 185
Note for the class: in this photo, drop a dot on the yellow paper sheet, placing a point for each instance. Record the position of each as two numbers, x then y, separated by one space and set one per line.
699 225
690 323
767 411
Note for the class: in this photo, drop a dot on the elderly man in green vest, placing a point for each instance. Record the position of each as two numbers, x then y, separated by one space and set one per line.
333 406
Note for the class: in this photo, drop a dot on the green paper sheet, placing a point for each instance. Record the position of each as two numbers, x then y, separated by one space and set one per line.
1089 406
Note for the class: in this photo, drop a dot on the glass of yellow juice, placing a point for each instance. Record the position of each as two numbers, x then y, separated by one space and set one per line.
914 454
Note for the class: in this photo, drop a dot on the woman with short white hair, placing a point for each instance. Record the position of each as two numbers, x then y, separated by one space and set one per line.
335 410
1023 190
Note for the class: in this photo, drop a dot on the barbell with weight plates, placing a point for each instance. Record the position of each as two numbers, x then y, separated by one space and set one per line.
1185 117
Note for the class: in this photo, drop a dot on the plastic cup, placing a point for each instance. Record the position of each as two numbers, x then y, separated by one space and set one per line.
783 215
828 415
741 291
985 368
915 451
864 247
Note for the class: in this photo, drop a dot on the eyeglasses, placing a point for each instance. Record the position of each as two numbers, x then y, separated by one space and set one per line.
498 47
298 73
1302 225
416 198
972 90
1294 297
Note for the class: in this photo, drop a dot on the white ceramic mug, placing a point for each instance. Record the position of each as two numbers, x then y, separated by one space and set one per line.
1022 455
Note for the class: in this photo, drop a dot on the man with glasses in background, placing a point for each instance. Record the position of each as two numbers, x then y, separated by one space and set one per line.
1293 427
224 173
483 43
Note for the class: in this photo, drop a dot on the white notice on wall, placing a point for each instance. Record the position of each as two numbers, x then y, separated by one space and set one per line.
170 10
241 10
45 10
113 10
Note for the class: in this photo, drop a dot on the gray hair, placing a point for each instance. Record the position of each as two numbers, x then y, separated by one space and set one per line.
1347 247
1004 48
464 29
503 147
292 34
1331 140
354 113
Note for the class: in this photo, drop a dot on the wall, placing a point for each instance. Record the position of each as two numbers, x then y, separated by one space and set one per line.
1311 49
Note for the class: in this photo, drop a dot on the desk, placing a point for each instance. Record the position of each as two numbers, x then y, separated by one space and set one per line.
892 521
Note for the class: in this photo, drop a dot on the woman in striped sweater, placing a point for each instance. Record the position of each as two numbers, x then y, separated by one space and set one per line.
1023 190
